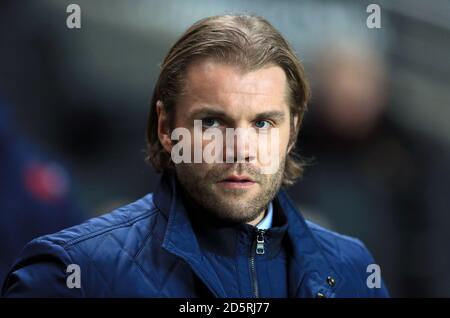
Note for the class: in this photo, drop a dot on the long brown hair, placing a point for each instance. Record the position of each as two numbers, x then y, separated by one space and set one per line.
246 41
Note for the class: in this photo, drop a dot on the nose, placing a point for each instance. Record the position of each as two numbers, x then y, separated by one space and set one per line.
240 145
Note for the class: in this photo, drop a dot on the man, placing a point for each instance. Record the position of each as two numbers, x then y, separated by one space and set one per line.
222 228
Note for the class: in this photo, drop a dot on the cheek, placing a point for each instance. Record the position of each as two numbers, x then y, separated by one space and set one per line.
274 142
190 173
196 172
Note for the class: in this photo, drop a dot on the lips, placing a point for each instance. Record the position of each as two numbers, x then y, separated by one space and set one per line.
238 178
237 182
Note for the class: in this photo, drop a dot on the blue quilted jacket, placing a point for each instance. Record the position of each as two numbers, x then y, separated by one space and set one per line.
149 248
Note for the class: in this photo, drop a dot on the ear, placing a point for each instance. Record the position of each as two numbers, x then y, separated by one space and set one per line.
163 127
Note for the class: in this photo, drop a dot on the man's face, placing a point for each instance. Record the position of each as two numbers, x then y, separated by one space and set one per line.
222 97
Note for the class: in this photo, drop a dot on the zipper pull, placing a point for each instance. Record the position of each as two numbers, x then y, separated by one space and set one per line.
260 242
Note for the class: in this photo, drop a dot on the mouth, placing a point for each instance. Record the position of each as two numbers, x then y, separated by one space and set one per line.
237 182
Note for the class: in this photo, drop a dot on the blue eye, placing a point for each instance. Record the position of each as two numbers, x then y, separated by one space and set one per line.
262 124
210 123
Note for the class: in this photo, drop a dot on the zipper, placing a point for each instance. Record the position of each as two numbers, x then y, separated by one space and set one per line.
257 249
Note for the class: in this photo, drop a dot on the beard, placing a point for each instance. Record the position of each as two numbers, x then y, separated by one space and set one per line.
200 183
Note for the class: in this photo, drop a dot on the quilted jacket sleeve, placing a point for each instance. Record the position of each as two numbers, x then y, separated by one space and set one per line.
41 271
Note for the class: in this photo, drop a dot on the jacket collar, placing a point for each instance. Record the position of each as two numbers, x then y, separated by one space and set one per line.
309 269
312 271
179 238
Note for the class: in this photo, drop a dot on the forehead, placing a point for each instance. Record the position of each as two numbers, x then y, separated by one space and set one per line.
212 83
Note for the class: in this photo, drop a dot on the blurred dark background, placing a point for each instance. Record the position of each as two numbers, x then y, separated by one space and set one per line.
74 102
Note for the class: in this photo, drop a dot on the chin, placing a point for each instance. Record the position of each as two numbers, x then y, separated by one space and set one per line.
236 213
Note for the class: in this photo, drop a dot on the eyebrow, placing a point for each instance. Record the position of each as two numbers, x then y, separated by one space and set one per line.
275 115
218 113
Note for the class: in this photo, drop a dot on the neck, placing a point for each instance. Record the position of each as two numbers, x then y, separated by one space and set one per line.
258 218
